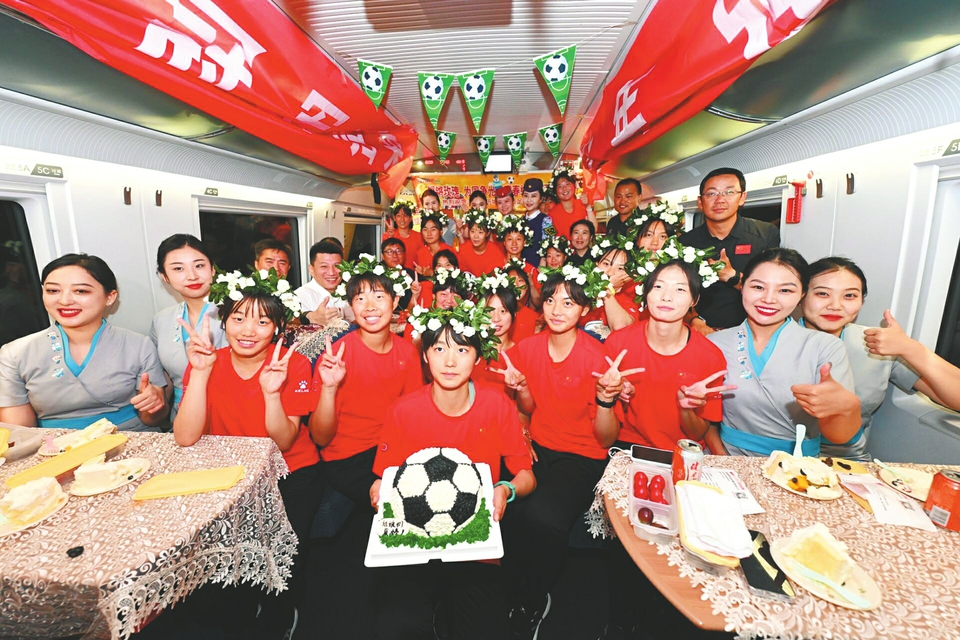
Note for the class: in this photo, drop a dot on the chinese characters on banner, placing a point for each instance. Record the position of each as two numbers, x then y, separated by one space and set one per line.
455 189
656 89
246 63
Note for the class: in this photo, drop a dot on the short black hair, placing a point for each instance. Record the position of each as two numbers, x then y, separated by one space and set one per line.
449 255
670 229
517 271
403 206
325 247
373 282
592 228
508 298
179 241
839 263
451 284
724 171
788 258
694 279
98 269
431 192
270 243
629 181
389 242
333 239
268 305
430 338
477 194
574 290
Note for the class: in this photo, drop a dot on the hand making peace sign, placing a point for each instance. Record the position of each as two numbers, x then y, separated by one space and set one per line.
332 368
274 374
200 350
610 384
695 396
511 375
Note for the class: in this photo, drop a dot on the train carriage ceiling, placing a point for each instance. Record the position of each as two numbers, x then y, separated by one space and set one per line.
850 43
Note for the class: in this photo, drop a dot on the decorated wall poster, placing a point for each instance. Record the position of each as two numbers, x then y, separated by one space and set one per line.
374 79
455 189
434 88
475 87
557 70
445 140
515 143
552 137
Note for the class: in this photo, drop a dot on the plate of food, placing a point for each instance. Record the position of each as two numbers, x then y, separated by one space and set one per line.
96 476
816 561
72 440
910 482
436 505
842 465
30 504
804 476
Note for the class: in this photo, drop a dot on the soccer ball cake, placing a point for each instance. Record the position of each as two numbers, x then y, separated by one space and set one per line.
436 492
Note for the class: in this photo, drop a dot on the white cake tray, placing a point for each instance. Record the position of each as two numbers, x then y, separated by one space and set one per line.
379 555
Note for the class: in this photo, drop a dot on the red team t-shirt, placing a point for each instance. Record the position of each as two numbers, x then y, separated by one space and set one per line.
524 325
486 372
481 263
564 392
487 432
562 220
424 257
653 416
625 297
373 382
412 245
235 407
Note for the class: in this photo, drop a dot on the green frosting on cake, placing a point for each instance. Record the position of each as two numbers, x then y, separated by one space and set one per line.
477 530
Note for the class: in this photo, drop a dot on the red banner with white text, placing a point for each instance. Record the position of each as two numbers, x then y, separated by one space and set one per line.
685 54
245 63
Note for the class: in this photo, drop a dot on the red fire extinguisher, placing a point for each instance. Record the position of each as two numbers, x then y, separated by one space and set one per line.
795 204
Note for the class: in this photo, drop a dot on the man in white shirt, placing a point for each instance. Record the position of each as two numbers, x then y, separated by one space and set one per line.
315 296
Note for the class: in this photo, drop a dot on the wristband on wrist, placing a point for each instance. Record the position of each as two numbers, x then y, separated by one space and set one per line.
508 485
606 404
735 280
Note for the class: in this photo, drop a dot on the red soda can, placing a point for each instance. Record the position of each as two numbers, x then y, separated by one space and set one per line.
943 501
687 460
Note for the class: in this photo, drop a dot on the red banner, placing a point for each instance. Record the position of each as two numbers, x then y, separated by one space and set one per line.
685 54
246 63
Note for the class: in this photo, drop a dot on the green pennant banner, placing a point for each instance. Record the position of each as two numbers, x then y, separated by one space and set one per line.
515 143
433 89
374 79
557 70
445 140
552 136
484 146
475 87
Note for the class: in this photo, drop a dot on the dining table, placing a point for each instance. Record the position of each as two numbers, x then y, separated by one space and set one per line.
104 565
917 571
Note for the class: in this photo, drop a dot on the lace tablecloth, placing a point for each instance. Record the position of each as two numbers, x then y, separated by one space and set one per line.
138 557
917 571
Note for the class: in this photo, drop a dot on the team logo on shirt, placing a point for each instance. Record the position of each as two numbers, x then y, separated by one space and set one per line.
302 387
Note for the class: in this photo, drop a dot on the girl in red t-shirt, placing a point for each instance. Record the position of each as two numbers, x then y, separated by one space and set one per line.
569 209
412 240
481 422
501 298
431 227
253 388
621 309
517 234
481 255
526 322
554 251
572 425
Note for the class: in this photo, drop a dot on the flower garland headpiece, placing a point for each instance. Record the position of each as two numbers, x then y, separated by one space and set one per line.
515 223
367 263
604 244
467 318
463 280
438 218
401 204
486 220
493 282
671 214
560 243
563 171
235 285
595 283
641 263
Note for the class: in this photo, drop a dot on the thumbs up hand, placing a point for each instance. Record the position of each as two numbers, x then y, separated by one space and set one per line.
149 398
825 398
324 314
888 341
728 271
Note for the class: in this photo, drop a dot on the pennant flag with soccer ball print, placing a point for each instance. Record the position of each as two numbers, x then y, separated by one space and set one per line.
475 87
433 89
557 70
552 136
374 79
445 140
484 146
515 143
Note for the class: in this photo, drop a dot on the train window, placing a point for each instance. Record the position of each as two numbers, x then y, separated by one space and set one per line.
360 236
231 238
21 306
948 343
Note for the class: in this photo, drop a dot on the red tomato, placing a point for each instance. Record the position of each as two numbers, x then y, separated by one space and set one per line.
639 483
657 482
641 492
656 495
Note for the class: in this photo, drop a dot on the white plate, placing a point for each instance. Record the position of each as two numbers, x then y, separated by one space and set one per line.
142 464
380 555
26 440
779 478
918 487
860 581
8 529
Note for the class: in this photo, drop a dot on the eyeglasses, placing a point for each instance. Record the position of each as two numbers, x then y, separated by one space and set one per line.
729 193
393 252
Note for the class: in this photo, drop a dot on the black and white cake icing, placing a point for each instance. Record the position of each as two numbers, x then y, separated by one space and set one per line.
436 492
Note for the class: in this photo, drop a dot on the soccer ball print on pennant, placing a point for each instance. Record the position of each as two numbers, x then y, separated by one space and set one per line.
475 87
433 89
374 79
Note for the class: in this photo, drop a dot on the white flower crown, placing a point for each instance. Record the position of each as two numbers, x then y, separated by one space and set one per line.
515 223
486 220
642 263
672 215
367 263
595 283
235 285
466 318
560 243
465 281
496 280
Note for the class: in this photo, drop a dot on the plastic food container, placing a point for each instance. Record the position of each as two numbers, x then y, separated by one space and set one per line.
663 514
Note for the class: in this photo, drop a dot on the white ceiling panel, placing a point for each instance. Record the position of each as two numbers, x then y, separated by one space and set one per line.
456 37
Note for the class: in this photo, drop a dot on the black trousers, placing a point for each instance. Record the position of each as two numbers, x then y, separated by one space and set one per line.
469 594
353 476
537 529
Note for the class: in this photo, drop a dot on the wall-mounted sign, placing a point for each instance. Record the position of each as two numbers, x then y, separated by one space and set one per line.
211 191
952 149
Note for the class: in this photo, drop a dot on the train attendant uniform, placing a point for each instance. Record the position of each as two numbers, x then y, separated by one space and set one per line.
171 341
38 369
652 418
481 263
760 416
